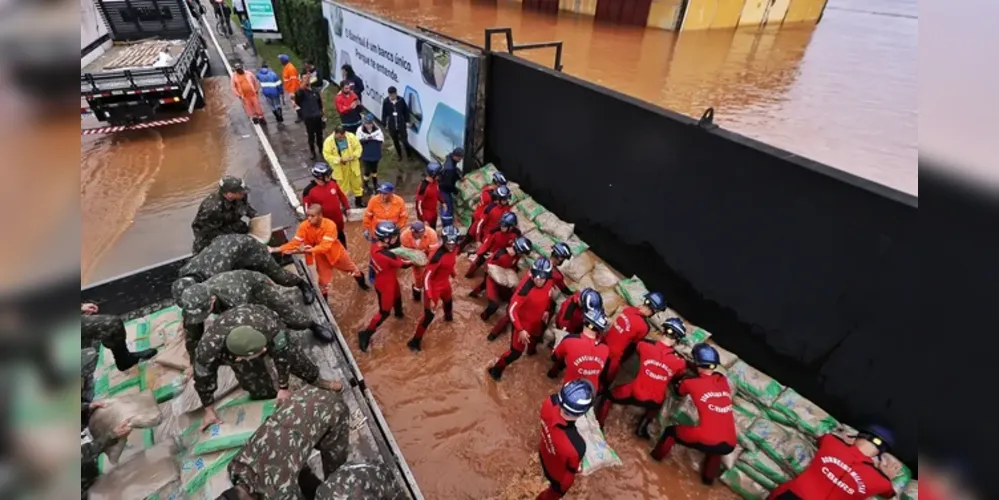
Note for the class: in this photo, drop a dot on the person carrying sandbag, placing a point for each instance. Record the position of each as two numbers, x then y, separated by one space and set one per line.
274 462
630 326
428 195
856 475
491 216
488 195
715 433
385 265
571 312
499 238
559 254
418 238
437 284
240 338
583 355
658 364
497 293
561 447
528 313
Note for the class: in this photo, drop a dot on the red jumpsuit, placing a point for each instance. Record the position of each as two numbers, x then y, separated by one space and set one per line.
629 327
658 364
570 315
561 450
839 471
428 198
494 291
386 266
485 198
559 280
494 242
489 220
582 357
715 433
527 311
437 287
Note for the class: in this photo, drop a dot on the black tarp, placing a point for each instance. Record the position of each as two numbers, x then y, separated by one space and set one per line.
806 272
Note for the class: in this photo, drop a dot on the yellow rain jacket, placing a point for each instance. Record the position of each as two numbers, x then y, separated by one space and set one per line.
348 174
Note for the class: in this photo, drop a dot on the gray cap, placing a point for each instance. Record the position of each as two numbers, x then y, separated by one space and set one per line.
232 184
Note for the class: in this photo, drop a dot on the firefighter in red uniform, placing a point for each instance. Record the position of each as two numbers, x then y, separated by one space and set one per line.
487 196
560 254
437 284
562 447
324 191
714 435
496 293
658 364
570 313
496 240
386 266
528 312
428 196
490 218
630 326
583 356
842 470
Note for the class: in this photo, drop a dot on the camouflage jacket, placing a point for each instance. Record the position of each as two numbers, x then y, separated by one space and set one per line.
212 352
269 463
225 253
217 216
367 481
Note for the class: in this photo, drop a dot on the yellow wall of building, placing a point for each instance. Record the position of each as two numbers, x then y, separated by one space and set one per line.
712 14
804 11
588 7
663 14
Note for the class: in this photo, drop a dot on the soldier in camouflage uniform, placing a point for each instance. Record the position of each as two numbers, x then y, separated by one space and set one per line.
367 481
273 463
225 211
234 288
240 337
109 330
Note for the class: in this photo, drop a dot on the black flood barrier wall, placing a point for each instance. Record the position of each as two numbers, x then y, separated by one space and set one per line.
807 273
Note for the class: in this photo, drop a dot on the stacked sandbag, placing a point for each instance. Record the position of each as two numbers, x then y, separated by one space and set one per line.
240 419
550 224
204 477
151 474
579 266
189 401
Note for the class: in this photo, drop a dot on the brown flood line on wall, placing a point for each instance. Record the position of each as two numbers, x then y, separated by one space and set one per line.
466 436
843 92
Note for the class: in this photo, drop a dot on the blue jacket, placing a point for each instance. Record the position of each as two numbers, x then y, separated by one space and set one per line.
270 82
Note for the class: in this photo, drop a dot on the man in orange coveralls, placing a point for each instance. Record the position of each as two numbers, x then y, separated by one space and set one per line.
247 88
417 237
385 207
316 238
289 75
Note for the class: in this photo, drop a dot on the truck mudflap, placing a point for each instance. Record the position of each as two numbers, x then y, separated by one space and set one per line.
138 126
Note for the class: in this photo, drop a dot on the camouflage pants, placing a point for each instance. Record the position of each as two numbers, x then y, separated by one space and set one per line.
192 335
361 481
254 377
290 308
260 260
107 329
335 444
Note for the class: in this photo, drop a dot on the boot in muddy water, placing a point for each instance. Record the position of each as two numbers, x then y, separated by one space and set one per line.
664 446
448 310
322 333
548 494
710 469
495 372
308 294
491 309
414 344
417 294
498 328
364 339
642 430
361 284
398 307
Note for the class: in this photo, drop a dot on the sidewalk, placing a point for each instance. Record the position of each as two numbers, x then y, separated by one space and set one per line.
288 139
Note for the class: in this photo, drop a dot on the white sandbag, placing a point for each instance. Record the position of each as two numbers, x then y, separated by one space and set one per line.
417 257
141 477
559 335
762 468
728 358
728 461
754 384
612 302
743 423
526 225
555 227
140 409
633 290
577 267
260 228
740 482
240 419
585 282
599 454
355 214
189 400
204 477
795 453
768 436
603 276
174 355
503 276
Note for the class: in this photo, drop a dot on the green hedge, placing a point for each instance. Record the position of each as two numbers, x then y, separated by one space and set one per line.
305 31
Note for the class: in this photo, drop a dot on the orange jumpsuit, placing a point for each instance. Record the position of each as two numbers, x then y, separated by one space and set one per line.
247 88
290 77
378 211
427 244
327 252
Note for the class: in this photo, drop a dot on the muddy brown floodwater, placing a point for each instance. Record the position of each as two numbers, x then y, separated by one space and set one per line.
466 436
843 92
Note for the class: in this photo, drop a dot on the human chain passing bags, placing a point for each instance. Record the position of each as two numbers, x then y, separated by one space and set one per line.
599 454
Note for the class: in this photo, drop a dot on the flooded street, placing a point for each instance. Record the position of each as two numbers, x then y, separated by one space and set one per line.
843 92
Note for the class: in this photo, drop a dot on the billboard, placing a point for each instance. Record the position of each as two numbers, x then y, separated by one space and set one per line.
261 14
431 77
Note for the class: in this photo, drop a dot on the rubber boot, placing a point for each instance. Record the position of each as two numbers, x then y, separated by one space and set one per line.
398 307
711 469
421 328
322 333
603 409
663 447
255 120
417 294
498 328
279 115
364 339
308 294
312 152
125 359
554 371
495 372
642 430
360 283
263 121
532 348
448 310
491 309
414 344
477 291
359 201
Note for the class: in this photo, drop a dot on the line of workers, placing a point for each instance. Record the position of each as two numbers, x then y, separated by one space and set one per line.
588 357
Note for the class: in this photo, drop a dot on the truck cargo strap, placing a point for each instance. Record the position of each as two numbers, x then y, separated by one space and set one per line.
138 126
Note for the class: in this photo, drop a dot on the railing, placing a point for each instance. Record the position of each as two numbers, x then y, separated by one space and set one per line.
511 47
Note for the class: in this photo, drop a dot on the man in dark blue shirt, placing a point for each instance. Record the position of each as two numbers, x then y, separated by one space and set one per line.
450 175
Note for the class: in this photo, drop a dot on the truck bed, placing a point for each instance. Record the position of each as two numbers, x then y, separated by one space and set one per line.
122 56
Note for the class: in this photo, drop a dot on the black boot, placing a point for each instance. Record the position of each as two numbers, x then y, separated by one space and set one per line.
125 359
495 372
312 153
398 307
489 311
414 344
417 295
448 310
359 202
308 294
553 372
255 120
364 339
263 121
322 333
279 115
642 430
361 283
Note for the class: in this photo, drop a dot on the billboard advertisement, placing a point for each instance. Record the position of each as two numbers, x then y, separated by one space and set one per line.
261 14
432 78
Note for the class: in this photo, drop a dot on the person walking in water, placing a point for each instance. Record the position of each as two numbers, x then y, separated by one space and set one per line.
386 266
561 446
309 102
246 87
437 284
270 85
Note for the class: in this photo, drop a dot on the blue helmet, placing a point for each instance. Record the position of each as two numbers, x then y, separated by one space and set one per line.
576 397
451 235
386 230
596 320
417 226
705 356
321 169
655 301
508 219
674 328
283 58
386 188
434 169
879 435
542 268
522 246
561 251
590 299
499 179
502 193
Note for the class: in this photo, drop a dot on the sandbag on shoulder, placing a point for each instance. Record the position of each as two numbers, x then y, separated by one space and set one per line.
140 409
417 257
552 225
599 454
503 276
